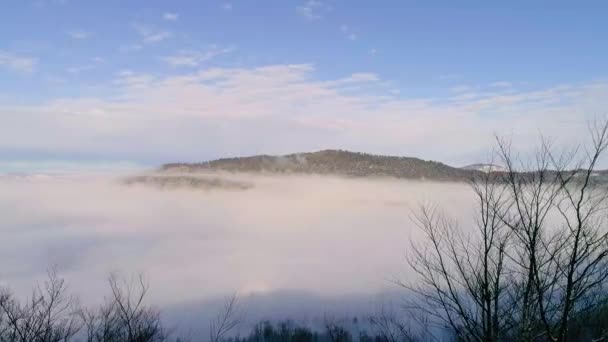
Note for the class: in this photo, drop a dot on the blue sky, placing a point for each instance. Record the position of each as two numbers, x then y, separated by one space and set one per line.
156 81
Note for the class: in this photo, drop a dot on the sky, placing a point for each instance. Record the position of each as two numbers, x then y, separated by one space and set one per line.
139 82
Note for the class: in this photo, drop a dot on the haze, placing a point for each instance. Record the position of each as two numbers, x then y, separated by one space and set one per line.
323 235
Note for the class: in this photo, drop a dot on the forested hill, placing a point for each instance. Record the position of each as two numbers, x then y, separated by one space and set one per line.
332 162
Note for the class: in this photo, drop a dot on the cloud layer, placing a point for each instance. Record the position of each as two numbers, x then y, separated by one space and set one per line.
323 235
214 112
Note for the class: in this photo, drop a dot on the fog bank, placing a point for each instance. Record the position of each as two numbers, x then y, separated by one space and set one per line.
324 236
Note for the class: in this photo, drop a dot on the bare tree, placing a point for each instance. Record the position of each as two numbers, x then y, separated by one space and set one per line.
101 324
558 215
463 279
525 211
335 331
227 320
48 316
124 316
390 327
539 254
580 258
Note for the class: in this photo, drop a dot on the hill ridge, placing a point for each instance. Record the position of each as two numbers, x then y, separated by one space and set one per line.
331 162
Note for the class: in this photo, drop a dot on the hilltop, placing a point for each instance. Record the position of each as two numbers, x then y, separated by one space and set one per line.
331 162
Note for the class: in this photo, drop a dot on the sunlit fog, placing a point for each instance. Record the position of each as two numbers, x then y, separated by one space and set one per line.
325 235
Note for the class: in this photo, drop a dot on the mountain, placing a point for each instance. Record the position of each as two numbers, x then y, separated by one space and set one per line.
331 162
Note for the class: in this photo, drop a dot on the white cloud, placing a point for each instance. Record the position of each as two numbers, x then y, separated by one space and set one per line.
132 80
348 32
157 37
187 58
227 6
151 116
312 10
373 51
17 63
79 34
99 59
150 35
356 78
170 16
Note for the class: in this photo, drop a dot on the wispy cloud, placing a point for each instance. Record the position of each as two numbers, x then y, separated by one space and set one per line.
17 63
170 16
188 58
157 37
356 78
227 6
348 32
151 35
238 105
312 10
79 34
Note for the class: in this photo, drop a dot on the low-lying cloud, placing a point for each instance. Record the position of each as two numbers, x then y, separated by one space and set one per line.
322 236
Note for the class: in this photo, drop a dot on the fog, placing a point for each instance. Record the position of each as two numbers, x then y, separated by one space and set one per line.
329 238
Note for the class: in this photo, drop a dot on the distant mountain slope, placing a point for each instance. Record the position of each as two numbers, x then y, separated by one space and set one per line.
485 167
332 162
